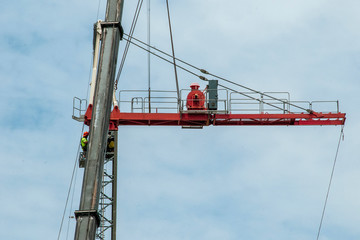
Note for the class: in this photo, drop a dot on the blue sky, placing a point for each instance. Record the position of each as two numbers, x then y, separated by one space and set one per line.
214 183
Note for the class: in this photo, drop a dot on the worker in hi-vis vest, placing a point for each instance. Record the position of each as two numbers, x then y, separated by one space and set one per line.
110 143
84 141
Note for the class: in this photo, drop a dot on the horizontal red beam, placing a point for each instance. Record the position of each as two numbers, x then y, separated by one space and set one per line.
118 118
280 119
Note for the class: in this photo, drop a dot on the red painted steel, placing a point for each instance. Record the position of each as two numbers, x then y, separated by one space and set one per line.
118 118
195 99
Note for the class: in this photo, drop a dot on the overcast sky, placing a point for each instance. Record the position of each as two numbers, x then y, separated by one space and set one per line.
215 183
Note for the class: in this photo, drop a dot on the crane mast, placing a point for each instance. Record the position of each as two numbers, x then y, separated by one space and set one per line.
87 217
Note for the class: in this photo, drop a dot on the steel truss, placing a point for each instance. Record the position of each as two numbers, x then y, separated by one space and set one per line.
107 203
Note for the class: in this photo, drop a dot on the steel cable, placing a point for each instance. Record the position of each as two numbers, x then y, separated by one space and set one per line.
98 10
74 173
253 98
255 91
205 79
70 186
221 78
132 29
162 52
173 53
71 205
157 55
149 55
331 177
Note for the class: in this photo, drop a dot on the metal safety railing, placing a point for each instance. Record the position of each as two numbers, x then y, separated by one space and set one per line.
321 106
259 102
139 101
162 101
280 103
79 109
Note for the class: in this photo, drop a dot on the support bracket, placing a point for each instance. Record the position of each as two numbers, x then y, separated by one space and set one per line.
114 24
92 213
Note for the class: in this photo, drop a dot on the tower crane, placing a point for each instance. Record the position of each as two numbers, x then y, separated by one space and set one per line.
216 105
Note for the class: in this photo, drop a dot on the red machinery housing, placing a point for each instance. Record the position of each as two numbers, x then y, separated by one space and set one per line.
196 98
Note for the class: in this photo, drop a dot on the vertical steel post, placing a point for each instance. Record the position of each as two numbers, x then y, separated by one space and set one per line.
114 187
87 217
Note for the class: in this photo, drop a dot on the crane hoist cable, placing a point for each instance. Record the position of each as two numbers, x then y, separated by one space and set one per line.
73 176
253 98
221 78
330 181
162 52
157 55
74 172
201 77
132 29
258 92
206 72
71 203
173 53
149 55
98 10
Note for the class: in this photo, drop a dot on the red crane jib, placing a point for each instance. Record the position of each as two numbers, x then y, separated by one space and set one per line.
204 118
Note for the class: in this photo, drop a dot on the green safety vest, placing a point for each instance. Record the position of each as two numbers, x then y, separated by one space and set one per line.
84 142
